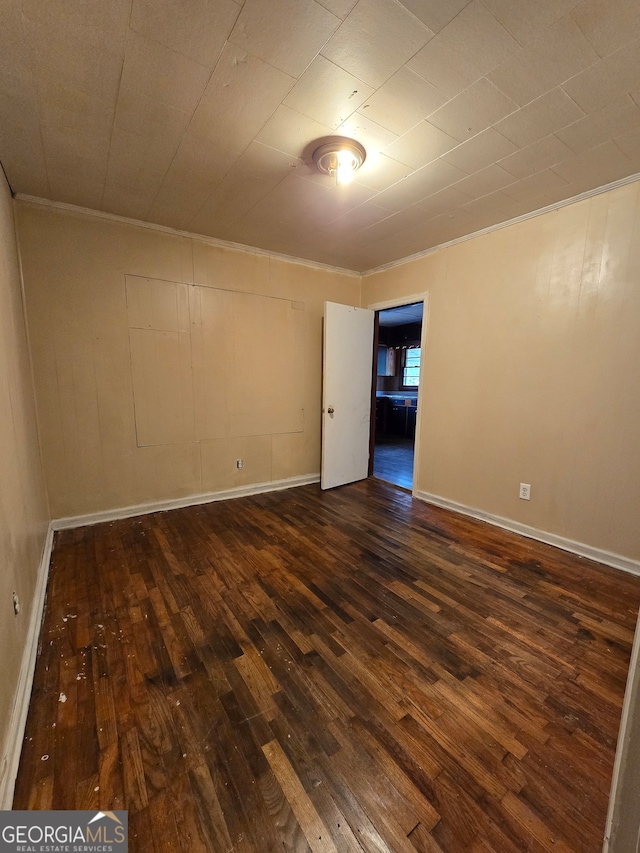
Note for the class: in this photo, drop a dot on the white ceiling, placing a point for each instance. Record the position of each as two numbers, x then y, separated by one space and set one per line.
201 114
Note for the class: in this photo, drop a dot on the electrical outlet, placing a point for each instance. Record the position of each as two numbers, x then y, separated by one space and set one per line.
525 491
16 604
239 464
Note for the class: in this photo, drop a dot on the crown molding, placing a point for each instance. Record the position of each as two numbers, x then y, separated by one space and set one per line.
239 247
499 225
175 232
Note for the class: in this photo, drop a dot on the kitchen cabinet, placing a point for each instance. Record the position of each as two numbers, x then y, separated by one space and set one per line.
394 417
386 361
382 415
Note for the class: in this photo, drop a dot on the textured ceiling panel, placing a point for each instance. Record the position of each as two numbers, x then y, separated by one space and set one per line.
203 115
195 28
403 100
558 54
421 145
607 25
287 34
547 114
327 93
470 112
536 157
473 43
377 39
436 14
526 21
479 151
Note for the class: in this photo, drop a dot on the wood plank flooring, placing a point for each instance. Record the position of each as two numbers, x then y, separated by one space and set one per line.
342 671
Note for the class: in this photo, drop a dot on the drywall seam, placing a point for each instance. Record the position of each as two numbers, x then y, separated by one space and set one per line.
166 229
209 287
15 733
178 503
617 561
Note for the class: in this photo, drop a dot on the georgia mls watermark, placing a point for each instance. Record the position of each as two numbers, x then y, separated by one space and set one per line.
63 832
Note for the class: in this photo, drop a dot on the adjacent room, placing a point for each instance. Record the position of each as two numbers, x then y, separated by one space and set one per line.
397 364
319 406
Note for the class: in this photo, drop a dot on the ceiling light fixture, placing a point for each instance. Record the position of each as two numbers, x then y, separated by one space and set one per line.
340 158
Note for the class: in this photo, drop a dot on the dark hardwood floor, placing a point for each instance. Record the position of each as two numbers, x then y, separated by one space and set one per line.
341 671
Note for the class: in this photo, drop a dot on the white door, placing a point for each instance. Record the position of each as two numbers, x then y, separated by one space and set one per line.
346 394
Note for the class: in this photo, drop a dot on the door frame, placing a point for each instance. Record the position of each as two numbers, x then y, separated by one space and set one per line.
397 303
622 830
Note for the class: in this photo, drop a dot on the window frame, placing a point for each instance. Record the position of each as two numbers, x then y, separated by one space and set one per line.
403 386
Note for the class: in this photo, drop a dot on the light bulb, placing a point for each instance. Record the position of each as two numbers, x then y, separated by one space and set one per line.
346 168
339 157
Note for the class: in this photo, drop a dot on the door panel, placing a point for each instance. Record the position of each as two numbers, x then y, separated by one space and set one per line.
346 394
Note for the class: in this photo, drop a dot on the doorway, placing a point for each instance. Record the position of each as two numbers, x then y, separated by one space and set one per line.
398 359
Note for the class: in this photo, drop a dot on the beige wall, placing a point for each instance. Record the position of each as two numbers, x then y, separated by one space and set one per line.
93 357
531 372
23 508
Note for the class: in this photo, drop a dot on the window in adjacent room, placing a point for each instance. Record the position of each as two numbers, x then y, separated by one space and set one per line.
411 368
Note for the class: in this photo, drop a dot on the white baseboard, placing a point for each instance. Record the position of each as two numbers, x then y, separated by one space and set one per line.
617 561
18 721
178 503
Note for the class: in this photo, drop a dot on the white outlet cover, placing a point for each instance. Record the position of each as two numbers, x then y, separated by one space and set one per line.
525 491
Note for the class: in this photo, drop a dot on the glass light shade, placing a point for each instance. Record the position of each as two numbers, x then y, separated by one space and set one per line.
340 158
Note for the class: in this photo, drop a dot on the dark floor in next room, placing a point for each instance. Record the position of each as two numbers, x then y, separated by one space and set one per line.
335 672
393 461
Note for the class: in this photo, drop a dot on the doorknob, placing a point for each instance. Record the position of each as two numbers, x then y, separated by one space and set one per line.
330 410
